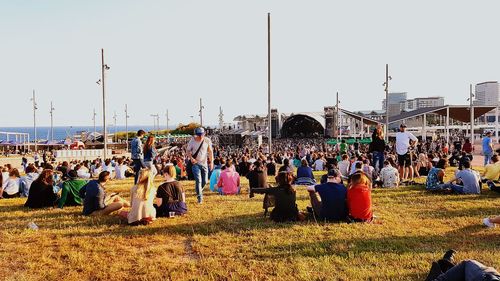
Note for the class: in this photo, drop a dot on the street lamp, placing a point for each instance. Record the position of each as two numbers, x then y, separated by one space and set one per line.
104 67
51 121
34 118
386 85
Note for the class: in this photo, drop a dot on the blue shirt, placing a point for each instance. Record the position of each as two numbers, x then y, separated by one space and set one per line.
94 197
333 201
136 149
486 145
470 180
304 172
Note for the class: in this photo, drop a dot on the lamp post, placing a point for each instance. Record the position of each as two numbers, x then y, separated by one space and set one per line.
114 120
104 67
168 120
51 121
386 89
471 111
201 113
93 119
269 82
34 118
126 126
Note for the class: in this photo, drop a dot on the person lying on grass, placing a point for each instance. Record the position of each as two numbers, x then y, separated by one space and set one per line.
170 196
446 269
96 202
359 198
331 206
285 198
142 196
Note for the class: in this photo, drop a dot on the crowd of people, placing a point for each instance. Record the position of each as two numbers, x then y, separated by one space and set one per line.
342 194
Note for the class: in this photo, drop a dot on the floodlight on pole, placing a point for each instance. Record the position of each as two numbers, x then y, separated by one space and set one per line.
51 121
104 67
386 89
33 99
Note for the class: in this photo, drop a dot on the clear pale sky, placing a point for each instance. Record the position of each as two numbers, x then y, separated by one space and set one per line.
168 54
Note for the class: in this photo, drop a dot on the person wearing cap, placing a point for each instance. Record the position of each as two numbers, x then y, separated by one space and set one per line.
403 144
331 206
70 191
200 153
137 154
487 148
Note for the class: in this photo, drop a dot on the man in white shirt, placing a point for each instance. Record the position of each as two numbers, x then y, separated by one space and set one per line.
200 152
403 139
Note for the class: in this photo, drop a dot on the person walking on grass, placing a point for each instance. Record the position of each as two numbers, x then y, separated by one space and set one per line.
487 144
137 154
200 153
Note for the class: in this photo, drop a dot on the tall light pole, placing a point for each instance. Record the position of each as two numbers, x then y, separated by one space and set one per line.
471 111
51 121
104 67
201 113
221 118
269 81
386 85
114 120
168 120
126 126
34 118
156 118
337 123
94 119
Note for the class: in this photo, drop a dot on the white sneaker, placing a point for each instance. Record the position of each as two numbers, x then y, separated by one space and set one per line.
488 223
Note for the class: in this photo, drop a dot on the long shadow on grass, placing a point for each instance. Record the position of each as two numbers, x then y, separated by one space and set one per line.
469 212
460 239
234 225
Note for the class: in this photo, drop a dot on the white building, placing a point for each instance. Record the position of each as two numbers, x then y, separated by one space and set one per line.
487 93
417 103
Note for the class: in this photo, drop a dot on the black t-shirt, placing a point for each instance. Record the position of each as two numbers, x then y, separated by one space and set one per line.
285 207
257 179
271 169
243 168
170 192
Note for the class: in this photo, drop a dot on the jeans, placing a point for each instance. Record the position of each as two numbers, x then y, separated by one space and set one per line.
466 270
487 158
454 187
152 168
138 165
200 174
378 157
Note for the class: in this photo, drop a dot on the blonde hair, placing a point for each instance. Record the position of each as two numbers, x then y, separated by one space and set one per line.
379 131
144 184
170 170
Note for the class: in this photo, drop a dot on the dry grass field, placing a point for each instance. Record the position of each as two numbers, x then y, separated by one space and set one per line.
227 238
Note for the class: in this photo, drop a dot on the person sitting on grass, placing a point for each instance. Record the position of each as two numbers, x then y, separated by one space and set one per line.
344 166
11 188
229 180
142 195
490 222
435 177
170 196
120 169
96 202
470 181
214 177
389 176
331 206
42 191
257 177
284 197
70 191
305 174
492 170
28 179
359 199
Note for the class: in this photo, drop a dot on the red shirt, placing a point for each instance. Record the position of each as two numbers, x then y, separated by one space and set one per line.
359 201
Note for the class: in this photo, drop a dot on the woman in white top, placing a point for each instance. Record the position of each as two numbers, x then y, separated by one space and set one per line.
120 169
11 187
142 196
